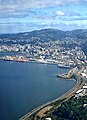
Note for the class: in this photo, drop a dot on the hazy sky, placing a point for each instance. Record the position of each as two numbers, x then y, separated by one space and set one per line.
27 15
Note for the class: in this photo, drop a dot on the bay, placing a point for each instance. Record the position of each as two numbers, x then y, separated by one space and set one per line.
25 86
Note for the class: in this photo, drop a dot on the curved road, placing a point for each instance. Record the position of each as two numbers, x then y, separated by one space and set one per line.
66 96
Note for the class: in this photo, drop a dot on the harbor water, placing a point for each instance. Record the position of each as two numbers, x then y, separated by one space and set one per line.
25 86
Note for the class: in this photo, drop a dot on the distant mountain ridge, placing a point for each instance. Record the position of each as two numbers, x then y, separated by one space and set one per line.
46 35
40 36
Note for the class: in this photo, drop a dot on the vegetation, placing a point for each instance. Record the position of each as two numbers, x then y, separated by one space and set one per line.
73 109
68 39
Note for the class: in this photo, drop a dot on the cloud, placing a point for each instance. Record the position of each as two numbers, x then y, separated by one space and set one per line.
43 12
19 4
24 4
67 13
75 19
19 8
60 13
67 23
75 1
14 8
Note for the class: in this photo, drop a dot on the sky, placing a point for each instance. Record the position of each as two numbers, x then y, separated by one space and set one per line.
28 15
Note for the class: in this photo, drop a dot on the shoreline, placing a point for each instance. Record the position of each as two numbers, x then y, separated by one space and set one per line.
52 68
67 95
28 60
37 62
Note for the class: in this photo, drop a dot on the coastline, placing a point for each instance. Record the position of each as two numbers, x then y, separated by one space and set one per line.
62 98
21 58
25 84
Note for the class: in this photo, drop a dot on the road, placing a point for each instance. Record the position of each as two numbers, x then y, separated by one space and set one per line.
66 96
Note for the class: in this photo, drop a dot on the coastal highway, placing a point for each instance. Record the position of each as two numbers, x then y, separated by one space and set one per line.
66 96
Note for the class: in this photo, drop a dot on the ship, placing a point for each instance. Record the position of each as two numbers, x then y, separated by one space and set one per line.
63 66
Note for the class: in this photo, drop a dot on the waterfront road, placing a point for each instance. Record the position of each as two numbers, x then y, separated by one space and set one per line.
66 96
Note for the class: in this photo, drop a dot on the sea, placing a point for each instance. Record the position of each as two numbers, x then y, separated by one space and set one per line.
25 86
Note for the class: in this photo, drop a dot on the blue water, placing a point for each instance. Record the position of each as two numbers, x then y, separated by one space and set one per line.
24 86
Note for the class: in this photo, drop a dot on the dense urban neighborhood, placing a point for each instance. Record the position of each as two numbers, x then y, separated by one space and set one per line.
47 46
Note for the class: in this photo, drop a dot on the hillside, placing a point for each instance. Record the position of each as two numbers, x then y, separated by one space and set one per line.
46 35
40 36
